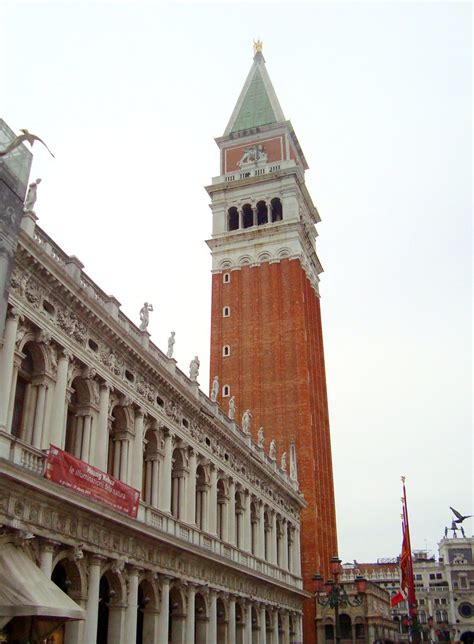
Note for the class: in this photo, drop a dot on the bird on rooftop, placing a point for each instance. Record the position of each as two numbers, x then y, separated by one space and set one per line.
25 137
460 517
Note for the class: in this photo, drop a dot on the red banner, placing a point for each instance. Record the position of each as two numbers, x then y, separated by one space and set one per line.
82 478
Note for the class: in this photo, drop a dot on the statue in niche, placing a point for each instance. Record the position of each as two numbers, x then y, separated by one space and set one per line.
145 316
194 368
232 408
31 196
272 453
215 389
247 415
283 461
171 342
260 438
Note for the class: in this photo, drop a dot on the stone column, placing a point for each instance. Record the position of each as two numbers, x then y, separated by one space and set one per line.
124 460
286 628
276 634
163 619
99 456
46 558
191 496
92 605
117 446
222 505
372 633
39 415
284 546
182 497
190 616
56 430
231 514
11 404
274 539
248 623
212 505
297 552
165 482
212 627
247 524
205 508
7 356
132 607
136 464
261 531
86 438
262 639
78 436
154 480
231 624
299 627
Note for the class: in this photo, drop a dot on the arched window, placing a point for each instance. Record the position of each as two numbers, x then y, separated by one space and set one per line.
226 350
30 396
23 384
345 626
277 210
247 216
177 485
201 498
360 631
262 213
226 312
150 469
232 219
225 391
117 462
329 632
226 278
80 418
200 618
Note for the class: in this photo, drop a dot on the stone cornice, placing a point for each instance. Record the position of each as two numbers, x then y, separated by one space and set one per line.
53 512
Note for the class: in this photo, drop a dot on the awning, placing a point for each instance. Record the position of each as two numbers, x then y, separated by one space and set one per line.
26 591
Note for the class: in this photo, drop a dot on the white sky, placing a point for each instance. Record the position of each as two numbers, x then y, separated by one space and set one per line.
130 97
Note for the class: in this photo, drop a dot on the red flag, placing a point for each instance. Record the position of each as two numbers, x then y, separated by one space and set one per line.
396 599
406 562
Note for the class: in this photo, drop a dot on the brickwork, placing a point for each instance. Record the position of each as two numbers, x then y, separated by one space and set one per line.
276 369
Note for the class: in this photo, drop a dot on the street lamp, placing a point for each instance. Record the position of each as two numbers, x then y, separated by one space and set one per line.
335 594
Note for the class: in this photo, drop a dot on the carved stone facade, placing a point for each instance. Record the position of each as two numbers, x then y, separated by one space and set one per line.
213 555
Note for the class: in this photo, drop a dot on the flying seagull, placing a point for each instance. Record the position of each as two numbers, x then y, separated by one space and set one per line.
26 136
460 517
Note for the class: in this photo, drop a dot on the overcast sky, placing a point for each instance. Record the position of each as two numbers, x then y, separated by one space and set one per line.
130 97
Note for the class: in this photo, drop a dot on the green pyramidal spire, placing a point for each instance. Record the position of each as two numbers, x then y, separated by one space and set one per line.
258 104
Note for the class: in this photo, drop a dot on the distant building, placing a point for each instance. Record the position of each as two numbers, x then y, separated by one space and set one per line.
363 624
444 589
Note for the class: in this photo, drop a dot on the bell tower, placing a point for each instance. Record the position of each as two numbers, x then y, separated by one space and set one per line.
266 333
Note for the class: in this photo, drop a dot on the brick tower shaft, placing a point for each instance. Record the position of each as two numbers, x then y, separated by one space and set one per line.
266 331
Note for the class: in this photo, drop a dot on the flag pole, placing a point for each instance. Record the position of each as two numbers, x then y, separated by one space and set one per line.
412 608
